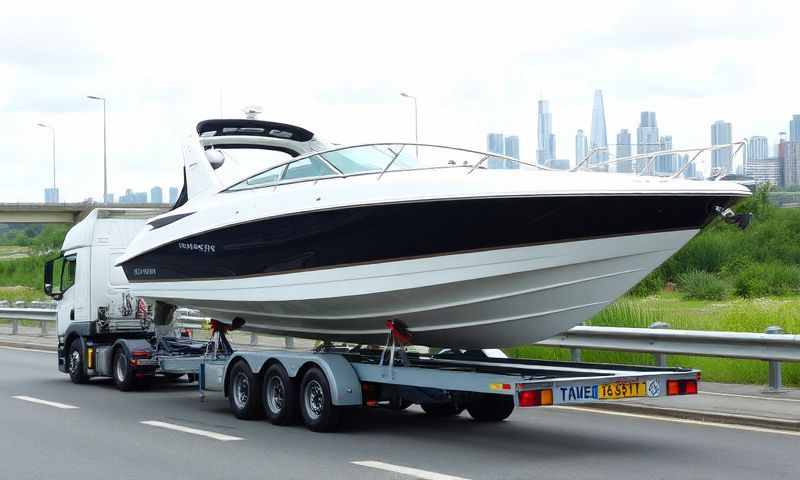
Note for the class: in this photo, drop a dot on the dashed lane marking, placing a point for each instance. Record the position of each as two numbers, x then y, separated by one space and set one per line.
194 431
63 406
411 472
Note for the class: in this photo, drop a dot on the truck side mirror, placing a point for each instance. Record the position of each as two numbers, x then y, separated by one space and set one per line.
48 278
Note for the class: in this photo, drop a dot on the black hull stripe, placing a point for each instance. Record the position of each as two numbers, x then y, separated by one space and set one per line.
383 233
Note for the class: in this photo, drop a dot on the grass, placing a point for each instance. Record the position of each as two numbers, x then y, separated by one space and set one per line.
738 315
13 251
26 294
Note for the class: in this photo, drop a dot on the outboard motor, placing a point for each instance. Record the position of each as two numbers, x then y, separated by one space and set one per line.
741 220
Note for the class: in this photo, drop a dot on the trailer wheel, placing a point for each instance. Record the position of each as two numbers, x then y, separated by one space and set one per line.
280 396
124 376
316 404
442 409
491 408
75 361
245 392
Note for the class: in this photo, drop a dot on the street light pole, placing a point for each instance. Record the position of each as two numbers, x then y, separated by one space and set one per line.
105 152
416 120
53 132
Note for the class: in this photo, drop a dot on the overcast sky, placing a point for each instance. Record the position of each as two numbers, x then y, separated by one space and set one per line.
337 68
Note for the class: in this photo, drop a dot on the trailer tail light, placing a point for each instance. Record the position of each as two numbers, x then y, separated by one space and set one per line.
535 398
140 354
370 393
681 387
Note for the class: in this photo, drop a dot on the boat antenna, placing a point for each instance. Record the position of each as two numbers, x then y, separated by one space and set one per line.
252 112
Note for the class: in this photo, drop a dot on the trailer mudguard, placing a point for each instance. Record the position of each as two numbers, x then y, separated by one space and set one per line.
345 385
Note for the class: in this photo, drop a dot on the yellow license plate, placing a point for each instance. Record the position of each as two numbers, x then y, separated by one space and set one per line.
614 391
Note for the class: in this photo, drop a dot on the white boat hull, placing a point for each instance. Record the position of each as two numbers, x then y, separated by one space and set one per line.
495 298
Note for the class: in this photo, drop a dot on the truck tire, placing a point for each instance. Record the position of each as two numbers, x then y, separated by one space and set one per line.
244 394
75 362
316 404
280 396
122 372
441 409
491 408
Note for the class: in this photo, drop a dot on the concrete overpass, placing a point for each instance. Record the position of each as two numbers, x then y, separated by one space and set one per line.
60 212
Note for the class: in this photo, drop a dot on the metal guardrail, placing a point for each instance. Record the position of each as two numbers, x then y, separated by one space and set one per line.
773 346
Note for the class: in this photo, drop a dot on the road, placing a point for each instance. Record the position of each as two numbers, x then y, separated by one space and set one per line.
105 436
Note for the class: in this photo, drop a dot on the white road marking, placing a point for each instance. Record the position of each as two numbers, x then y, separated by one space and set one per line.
757 397
25 349
45 402
411 472
683 420
204 433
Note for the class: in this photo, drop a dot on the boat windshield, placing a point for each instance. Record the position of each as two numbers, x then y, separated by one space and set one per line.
374 158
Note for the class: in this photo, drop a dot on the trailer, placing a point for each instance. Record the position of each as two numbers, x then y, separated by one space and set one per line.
105 332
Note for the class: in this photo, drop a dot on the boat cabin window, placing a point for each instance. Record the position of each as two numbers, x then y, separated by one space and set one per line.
263 179
307 168
373 158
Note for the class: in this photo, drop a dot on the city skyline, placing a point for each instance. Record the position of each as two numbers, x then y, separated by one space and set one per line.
598 138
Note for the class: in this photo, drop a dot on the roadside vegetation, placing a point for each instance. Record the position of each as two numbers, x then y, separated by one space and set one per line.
23 252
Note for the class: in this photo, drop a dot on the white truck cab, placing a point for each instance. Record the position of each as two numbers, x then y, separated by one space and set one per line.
84 280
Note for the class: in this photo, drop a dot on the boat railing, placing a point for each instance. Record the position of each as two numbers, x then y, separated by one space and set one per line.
735 148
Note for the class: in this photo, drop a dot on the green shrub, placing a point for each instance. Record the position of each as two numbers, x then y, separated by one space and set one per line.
700 285
764 279
650 285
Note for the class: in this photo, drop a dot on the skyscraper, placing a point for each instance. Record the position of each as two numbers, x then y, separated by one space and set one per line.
598 137
791 164
794 129
721 135
173 195
495 144
512 150
546 141
665 164
646 138
624 150
156 196
581 147
757 149
51 195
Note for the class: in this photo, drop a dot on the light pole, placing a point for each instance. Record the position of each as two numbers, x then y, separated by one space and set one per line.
416 120
105 157
53 132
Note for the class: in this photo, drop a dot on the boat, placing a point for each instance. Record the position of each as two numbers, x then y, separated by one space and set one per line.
330 242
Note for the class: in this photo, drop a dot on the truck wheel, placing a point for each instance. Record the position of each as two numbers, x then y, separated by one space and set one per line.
491 408
441 409
245 393
316 404
77 373
280 396
124 376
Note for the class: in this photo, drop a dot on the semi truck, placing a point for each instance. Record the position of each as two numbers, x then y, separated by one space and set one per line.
104 331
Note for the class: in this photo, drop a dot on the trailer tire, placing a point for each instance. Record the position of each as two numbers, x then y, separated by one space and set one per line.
75 362
122 372
491 408
316 403
441 409
280 396
244 394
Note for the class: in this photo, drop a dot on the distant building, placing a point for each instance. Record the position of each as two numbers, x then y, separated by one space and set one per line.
791 164
687 171
495 144
646 138
623 151
559 163
599 138
721 135
173 195
794 129
765 170
757 149
156 195
51 195
511 146
133 197
109 198
546 141
665 164
581 147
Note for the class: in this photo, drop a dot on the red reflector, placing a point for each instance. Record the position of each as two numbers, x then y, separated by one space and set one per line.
691 387
529 398
681 387
140 354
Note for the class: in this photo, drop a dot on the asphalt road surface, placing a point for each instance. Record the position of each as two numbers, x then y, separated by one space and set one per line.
95 431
